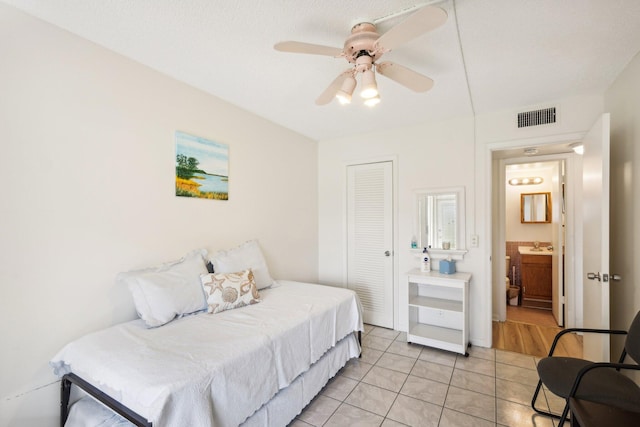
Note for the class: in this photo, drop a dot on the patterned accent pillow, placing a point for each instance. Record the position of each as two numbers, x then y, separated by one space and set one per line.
226 291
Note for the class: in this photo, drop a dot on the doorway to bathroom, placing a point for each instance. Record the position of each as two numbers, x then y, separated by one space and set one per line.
586 233
534 241
534 233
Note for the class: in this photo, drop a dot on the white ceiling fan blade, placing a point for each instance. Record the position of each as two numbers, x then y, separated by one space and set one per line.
418 23
406 77
313 49
331 91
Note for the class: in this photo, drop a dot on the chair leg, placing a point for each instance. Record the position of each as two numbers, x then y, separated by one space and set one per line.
565 412
540 411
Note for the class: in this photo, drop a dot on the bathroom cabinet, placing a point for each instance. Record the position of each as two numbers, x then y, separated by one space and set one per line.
438 310
536 281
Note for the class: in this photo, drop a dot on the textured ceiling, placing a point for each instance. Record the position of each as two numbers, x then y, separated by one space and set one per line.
517 52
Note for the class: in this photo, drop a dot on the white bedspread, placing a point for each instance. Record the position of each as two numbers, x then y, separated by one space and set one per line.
215 370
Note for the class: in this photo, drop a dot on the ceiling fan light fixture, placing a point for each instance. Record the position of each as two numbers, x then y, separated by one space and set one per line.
343 97
369 85
372 102
364 48
345 92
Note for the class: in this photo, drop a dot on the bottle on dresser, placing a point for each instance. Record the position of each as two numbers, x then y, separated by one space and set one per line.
425 262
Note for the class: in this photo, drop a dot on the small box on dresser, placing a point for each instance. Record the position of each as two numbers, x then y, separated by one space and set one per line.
447 266
438 310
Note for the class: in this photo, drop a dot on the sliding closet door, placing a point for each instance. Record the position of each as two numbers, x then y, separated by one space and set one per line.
370 239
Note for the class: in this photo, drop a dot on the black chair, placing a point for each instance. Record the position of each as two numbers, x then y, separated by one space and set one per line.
570 377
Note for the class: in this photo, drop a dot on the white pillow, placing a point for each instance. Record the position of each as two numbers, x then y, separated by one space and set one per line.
244 257
226 291
172 289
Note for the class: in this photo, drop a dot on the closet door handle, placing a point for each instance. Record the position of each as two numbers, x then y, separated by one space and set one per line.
387 253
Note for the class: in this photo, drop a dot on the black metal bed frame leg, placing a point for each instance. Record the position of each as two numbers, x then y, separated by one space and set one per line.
108 401
360 342
65 392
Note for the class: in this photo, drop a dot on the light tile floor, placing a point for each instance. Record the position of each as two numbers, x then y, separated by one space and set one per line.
400 384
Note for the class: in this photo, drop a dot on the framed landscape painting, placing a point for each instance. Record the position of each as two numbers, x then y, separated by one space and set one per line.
202 167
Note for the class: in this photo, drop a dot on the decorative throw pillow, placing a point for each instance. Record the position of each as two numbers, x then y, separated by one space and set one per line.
226 291
172 289
244 257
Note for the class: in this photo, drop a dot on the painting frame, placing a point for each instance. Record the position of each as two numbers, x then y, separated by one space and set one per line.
201 167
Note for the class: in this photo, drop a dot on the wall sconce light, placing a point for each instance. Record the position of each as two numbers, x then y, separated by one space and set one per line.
526 181
577 148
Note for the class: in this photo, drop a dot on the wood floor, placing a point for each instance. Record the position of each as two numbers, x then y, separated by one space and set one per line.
531 331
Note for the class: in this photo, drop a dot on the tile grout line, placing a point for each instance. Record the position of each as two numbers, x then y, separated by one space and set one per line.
343 401
397 352
447 393
384 417
334 411
403 383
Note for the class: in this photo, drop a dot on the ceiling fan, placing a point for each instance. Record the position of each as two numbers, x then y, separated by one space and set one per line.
364 47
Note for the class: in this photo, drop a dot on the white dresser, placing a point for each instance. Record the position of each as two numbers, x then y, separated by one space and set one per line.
438 310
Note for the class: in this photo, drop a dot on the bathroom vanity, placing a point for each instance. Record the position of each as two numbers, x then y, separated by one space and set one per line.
536 274
438 310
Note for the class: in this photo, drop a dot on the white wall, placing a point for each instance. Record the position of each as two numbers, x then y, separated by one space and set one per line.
87 167
498 129
622 100
430 155
450 153
515 230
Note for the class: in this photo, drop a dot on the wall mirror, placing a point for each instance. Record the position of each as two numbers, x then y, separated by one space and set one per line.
535 208
440 220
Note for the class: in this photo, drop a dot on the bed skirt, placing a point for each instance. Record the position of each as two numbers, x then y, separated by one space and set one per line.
278 412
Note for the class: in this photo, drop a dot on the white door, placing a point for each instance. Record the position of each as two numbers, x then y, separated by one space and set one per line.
595 275
557 241
370 239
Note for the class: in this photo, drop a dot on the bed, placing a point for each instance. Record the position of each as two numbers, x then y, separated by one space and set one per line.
256 365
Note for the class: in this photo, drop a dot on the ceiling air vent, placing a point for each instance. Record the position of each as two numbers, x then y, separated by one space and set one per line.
537 117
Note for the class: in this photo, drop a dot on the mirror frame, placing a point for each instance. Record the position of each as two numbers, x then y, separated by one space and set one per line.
548 208
461 244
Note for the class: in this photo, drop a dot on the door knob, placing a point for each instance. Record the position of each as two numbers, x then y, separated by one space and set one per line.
605 277
387 253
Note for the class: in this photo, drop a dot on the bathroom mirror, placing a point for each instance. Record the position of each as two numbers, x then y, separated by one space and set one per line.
535 208
440 219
